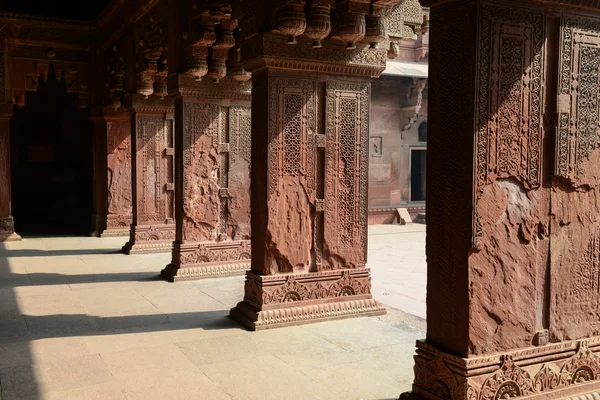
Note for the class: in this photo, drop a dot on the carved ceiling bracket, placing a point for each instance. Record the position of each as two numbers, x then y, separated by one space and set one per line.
152 61
211 35
116 73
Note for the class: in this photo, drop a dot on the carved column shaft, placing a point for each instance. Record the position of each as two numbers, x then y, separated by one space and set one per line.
152 165
512 226
118 153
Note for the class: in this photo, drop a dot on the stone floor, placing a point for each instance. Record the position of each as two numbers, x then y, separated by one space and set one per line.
78 320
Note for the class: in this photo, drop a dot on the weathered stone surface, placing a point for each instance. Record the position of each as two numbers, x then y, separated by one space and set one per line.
214 228
504 272
201 202
290 233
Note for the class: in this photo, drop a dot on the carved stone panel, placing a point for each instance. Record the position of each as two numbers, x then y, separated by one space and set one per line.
510 102
120 206
291 178
575 228
155 196
238 182
346 174
215 225
153 228
201 202
578 97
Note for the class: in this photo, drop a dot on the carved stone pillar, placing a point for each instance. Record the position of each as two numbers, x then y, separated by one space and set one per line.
213 179
513 229
100 203
7 223
153 189
120 206
310 133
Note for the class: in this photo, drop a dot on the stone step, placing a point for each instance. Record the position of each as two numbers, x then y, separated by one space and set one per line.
420 219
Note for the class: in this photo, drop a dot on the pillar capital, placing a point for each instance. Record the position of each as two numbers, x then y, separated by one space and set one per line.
270 50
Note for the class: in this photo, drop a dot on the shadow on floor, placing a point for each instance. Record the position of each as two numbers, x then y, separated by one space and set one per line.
50 253
18 327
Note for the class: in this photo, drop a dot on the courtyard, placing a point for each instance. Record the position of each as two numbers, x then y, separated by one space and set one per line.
80 320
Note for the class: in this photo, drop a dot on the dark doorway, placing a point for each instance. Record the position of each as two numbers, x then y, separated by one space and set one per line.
418 168
51 162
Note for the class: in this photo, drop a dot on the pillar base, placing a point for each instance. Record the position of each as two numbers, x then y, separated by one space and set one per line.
10 237
208 260
7 230
117 225
567 370
281 300
150 239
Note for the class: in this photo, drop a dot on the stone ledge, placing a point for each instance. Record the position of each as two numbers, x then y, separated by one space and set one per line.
147 247
256 320
173 273
114 232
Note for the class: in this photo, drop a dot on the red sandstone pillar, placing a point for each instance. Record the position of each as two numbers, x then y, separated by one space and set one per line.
7 224
212 122
118 154
513 225
310 133
213 179
153 196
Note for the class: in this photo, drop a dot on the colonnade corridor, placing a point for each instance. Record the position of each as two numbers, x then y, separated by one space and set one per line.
239 151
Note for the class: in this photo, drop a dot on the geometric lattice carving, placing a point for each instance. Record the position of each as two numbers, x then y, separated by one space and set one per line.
346 170
578 99
404 19
240 131
509 112
151 169
292 112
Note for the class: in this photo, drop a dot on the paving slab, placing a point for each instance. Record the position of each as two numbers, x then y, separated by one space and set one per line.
79 320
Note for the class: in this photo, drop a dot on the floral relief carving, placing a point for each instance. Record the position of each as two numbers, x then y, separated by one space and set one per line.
509 112
297 288
509 381
578 97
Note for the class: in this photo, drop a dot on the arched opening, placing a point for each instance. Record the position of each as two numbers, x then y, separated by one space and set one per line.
51 161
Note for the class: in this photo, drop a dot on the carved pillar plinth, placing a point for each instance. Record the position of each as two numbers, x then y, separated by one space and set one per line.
213 179
558 371
7 230
513 230
7 223
153 189
282 300
310 132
